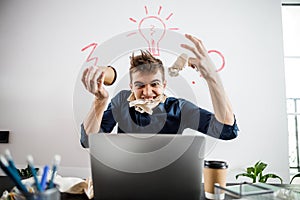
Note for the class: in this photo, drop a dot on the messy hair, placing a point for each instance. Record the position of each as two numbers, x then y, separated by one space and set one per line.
145 63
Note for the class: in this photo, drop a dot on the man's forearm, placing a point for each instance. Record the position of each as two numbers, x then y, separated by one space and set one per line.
93 120
221 104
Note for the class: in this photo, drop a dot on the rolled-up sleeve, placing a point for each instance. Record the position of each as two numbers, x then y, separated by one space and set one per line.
84 138
222 131
107 125
205 122
108 119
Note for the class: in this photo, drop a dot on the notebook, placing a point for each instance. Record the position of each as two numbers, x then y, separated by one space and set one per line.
146 166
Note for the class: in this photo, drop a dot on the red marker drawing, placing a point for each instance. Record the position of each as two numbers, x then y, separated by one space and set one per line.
222 57
152 28
90 58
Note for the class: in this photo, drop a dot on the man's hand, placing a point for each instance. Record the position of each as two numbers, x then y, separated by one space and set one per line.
93 81
202 61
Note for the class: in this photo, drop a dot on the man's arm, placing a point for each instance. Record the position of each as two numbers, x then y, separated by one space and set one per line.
93 119
221 104
93 80
202 62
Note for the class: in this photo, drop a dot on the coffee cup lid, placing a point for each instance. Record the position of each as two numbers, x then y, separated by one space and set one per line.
215 164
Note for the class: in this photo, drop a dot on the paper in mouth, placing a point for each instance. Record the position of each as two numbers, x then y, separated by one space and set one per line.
145 105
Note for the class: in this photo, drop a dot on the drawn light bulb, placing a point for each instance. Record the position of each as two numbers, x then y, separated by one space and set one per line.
152 29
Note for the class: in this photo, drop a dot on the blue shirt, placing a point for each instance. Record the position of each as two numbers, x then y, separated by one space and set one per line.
170 117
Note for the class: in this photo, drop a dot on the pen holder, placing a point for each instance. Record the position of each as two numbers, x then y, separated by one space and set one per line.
49 194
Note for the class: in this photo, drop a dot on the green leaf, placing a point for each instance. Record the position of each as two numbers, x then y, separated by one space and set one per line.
260 176
295 176
26 173
262 166
255 168
262 179
252 176
265 177
250 170
256 164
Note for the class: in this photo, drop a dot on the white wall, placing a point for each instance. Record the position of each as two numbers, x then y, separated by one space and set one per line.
41 62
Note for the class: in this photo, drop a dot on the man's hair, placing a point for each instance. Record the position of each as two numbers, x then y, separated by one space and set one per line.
146 63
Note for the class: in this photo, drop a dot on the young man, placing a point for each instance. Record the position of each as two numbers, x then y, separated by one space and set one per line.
145 108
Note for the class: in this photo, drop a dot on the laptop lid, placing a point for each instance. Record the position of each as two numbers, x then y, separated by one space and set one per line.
146 166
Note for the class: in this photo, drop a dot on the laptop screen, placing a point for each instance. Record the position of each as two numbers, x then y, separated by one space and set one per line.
146 166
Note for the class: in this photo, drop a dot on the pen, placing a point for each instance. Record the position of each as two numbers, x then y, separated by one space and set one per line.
56 162
44 177
12 174
10 161
30 163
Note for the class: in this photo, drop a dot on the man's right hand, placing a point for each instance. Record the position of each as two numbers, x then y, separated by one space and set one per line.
93 81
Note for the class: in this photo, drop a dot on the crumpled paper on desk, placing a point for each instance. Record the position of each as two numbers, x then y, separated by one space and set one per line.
74 185
71 185
285 194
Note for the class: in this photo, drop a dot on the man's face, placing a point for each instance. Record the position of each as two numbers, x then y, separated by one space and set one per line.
147 85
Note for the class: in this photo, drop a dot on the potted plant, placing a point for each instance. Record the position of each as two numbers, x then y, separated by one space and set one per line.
256 173
26 172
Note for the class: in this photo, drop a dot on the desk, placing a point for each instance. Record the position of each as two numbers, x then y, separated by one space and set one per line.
7 184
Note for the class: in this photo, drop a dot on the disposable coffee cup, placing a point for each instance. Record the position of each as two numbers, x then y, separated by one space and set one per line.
110 75
214 172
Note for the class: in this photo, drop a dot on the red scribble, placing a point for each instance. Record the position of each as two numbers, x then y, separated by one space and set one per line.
152 31
222 57
146 10
130 34
89 58
193 82
159 10
131 19
169 16
153 49
173 29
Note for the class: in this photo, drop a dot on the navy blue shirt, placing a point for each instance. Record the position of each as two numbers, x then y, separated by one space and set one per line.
170 117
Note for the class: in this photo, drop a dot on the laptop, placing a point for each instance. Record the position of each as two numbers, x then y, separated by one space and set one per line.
146 166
